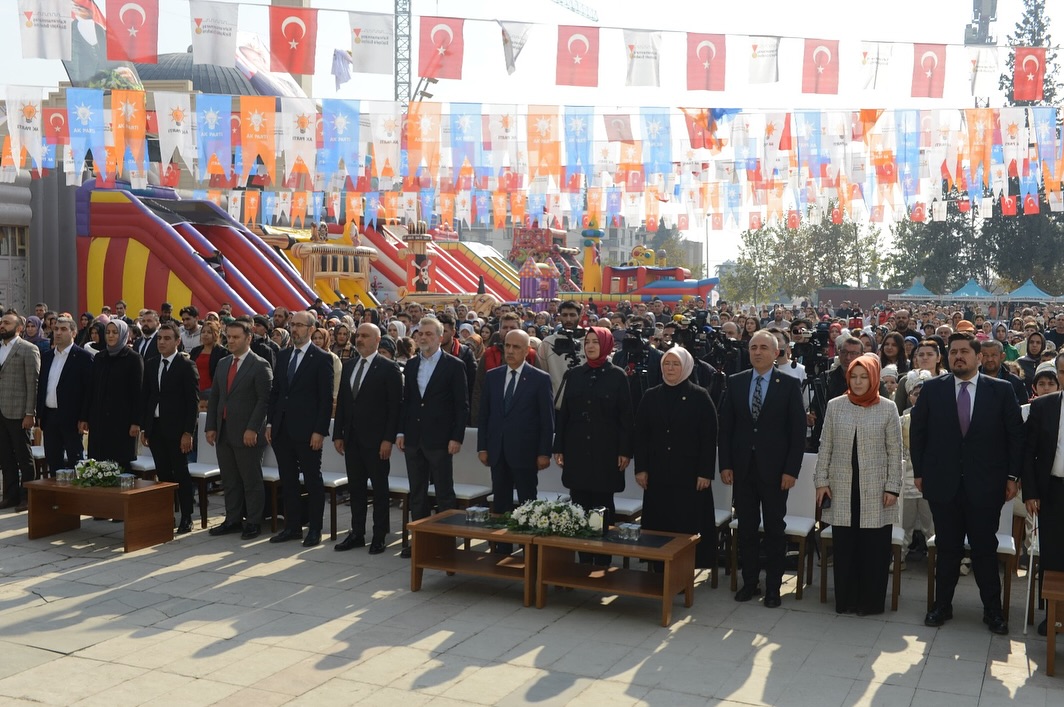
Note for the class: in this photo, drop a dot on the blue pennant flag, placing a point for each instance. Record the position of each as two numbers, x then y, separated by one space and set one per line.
428 205
807 126
269 203
317 201
579 136
466 142
657 141
85 110
340 138
613 205
213 131
536 204
373 202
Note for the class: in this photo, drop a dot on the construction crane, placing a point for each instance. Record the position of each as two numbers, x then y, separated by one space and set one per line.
402 42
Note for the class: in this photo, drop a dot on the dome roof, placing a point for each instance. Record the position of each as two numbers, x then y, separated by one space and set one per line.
206 78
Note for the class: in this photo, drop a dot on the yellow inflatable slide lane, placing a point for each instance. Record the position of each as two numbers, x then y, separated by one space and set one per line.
333 268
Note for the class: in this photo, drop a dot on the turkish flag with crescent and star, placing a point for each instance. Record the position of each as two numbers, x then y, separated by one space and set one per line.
133 31
441 48
56 130
1029 76
929 70
578 51
820 72
706 54
293 37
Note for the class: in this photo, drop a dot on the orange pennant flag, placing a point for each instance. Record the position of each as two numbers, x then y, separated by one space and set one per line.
447 209
251 207
257 119
423 138
517 207
980 140
498 209
388 211
544 142
353 207
128 125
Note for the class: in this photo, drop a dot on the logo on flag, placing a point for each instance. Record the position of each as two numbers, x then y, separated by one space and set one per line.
46 34
705 62
577 61
133 32
764 56
293 36
929 70
372 42
440 53
213 32
820 73
1029 76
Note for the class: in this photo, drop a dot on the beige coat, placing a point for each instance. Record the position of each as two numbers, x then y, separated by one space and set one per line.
879 460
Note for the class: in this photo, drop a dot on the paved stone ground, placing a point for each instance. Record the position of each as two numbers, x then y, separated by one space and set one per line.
205 620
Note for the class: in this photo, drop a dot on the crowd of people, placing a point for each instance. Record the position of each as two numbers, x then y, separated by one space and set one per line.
919 408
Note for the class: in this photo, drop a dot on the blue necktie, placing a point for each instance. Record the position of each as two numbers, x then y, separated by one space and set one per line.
508 396
292 364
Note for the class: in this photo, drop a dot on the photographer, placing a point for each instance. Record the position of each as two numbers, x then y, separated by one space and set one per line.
735 363
638 359
563 351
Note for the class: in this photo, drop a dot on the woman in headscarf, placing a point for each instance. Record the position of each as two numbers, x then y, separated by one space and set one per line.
396 329
858 480
84 329
1036 344
281 337
33 334
97 336
112 407
675 455
594 429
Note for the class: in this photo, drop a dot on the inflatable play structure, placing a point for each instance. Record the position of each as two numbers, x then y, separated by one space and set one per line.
648 276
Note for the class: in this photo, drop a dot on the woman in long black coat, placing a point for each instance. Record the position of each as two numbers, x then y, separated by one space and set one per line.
676 453
112 407
593 429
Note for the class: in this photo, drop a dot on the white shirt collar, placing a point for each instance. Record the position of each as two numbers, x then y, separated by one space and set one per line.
520 369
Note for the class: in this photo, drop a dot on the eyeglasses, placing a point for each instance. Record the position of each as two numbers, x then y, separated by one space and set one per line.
299 324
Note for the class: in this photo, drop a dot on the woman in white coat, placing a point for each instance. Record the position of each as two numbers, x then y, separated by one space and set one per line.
858 479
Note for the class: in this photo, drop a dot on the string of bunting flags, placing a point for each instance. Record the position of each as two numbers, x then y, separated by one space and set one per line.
133 33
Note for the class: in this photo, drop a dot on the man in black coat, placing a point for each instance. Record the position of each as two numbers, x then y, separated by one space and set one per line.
432 421
966 443
169 415
299 412
66 371
762 441
146 345
367 419
992 356
450 344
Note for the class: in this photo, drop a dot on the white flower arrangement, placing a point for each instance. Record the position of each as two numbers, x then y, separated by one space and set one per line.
91 472
550 518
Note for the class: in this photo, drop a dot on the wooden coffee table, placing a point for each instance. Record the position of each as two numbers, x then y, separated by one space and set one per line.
147 509
558 566
432 546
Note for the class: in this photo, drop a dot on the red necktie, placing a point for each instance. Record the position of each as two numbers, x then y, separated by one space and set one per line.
232 374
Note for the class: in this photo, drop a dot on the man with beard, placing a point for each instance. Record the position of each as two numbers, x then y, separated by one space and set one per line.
564 350
146 345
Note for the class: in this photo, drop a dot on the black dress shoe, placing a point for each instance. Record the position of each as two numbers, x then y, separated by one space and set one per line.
748 592
185 526
376 547
286 535
772 602
938 616
225 529
313 538
350 542
9 503
22 506
251 531
405 552
996 622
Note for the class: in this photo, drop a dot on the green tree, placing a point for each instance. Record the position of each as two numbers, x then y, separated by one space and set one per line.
750 280
1032 31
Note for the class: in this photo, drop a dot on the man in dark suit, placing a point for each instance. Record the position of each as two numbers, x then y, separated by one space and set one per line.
20 366
762 440
367 419
966 442
516 426
66 372
169 414
1043 479
453 346
300 408
146 345
432 421
236 424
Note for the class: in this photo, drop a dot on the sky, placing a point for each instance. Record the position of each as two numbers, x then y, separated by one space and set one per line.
485 79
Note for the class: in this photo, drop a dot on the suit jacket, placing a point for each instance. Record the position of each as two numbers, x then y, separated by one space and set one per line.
244 407
778 436
152 351
18 380
526 430
440 416
177 396
372 416
72 389
304 404
1040 448
991 452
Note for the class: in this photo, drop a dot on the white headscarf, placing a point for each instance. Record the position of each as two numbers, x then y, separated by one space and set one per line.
687 361
400 328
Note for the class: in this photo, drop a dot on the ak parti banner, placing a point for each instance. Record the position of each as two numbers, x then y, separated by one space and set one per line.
128 125
133 31
257 139
293 37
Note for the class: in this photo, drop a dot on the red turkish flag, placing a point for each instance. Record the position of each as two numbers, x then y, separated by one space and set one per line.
1030 205
717 222
820 72
755 222
54 125
293 38
919 213
618 127
929 70
133 31
836 215
578 50
1030 72
1008 206
441 48
683 222
794 220
700 128
171 175
876 215
706 54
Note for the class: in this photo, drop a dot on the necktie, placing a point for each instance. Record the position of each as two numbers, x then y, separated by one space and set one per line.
508 396
358 376
755 404
964 408
162 372
292 364
232 374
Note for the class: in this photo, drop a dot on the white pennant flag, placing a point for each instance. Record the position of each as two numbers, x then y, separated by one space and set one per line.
384 131
213 32
764 56
503 132
298 127
45 29
175 116
984 72
514 36
875 59
372 42
644 57
1014 141
235 199
24 123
